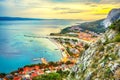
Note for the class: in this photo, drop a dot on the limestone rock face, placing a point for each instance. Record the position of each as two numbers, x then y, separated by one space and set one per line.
113 15
100 61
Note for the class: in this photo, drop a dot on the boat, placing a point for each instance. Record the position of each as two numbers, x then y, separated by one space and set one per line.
36 59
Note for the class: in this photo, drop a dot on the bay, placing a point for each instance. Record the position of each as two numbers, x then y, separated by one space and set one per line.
16 50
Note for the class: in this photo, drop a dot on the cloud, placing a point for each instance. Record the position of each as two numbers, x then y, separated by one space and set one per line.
110 1
84 1
69 1
70 12
58 9
66 10
93 5
99 14
73 11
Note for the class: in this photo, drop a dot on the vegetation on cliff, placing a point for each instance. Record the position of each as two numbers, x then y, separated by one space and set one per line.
59 75
115 26
101 61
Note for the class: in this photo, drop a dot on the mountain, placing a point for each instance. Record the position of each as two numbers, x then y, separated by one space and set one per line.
95 26
101 61
113 15
17 18
98 26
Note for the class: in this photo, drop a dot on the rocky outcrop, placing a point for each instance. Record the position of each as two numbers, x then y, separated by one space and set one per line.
101 61
113 15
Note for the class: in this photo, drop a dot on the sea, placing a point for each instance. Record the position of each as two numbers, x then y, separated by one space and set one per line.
17 50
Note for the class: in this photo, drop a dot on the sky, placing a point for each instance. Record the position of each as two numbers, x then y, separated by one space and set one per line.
58 9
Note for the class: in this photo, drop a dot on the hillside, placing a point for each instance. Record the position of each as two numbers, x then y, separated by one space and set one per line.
98 26
95 26
101 61
85 57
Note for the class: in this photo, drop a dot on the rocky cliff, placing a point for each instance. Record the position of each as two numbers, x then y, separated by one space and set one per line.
113 15
101 61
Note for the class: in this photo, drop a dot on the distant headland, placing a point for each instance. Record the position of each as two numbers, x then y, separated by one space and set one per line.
9 18
17 18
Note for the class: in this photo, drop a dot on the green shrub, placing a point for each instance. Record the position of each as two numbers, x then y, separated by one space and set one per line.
86 46
73 74
50 76
104 60
63 74
113 56
117 38
68 50
101 48
107 40
115 26
81 66
107 73
94 65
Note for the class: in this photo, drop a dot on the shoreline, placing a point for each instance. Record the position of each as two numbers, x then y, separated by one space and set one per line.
59 46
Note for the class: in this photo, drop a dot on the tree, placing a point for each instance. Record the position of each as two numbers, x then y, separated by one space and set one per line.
115 25
50 76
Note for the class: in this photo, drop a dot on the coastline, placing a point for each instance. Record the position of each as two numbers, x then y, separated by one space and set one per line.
62 50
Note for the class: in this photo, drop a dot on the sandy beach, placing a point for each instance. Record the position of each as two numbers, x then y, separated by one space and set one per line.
62 49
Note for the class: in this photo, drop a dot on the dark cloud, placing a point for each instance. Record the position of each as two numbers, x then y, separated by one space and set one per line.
99 14
70 12
110 1
58 8
88 3
75 0
85 1
93 5
73 11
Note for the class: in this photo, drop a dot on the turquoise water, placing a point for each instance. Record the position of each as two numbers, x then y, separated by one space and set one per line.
16 50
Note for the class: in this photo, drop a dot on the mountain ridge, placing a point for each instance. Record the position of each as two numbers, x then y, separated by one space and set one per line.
94 26
113 15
